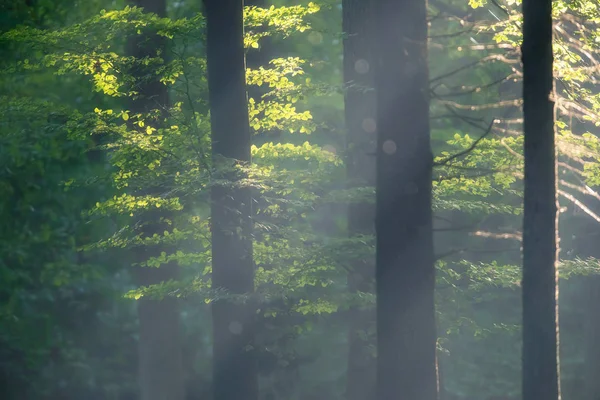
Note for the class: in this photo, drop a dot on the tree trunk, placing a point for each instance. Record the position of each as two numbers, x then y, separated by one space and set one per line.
359 98
592 354
405 270
160 352
586 246
540 250
234 365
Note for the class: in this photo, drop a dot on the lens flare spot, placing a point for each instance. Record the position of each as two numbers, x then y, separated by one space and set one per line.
361 66
389 147
315 38
369 125
235 327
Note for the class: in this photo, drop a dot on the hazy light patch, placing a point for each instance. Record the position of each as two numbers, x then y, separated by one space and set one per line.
330 148
361 66
235 327
389 147
315 38
369 125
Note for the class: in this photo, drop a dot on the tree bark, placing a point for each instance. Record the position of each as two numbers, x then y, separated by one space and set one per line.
359 99
234 365
586 246
540 242
592 354
405 270
160 352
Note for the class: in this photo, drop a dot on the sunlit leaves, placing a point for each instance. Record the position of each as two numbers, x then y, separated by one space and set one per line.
128 204
270 115
179 257
276 77
281 20
270 152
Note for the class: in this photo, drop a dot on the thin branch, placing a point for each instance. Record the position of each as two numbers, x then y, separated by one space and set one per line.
579 204
452 11
466 119
494 2
466 249
455 229
476 89
518 236
492 57
452 34
570 168
581 189
467 150
479 107
511 151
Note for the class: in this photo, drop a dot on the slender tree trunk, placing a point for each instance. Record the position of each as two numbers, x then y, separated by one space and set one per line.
592 354
586 246
405 271
540 242
360 117
160 351
234 366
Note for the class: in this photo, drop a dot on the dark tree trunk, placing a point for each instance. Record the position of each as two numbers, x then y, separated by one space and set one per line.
160 352
234 366
592 353
540 250
360 117
586 246
405 270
